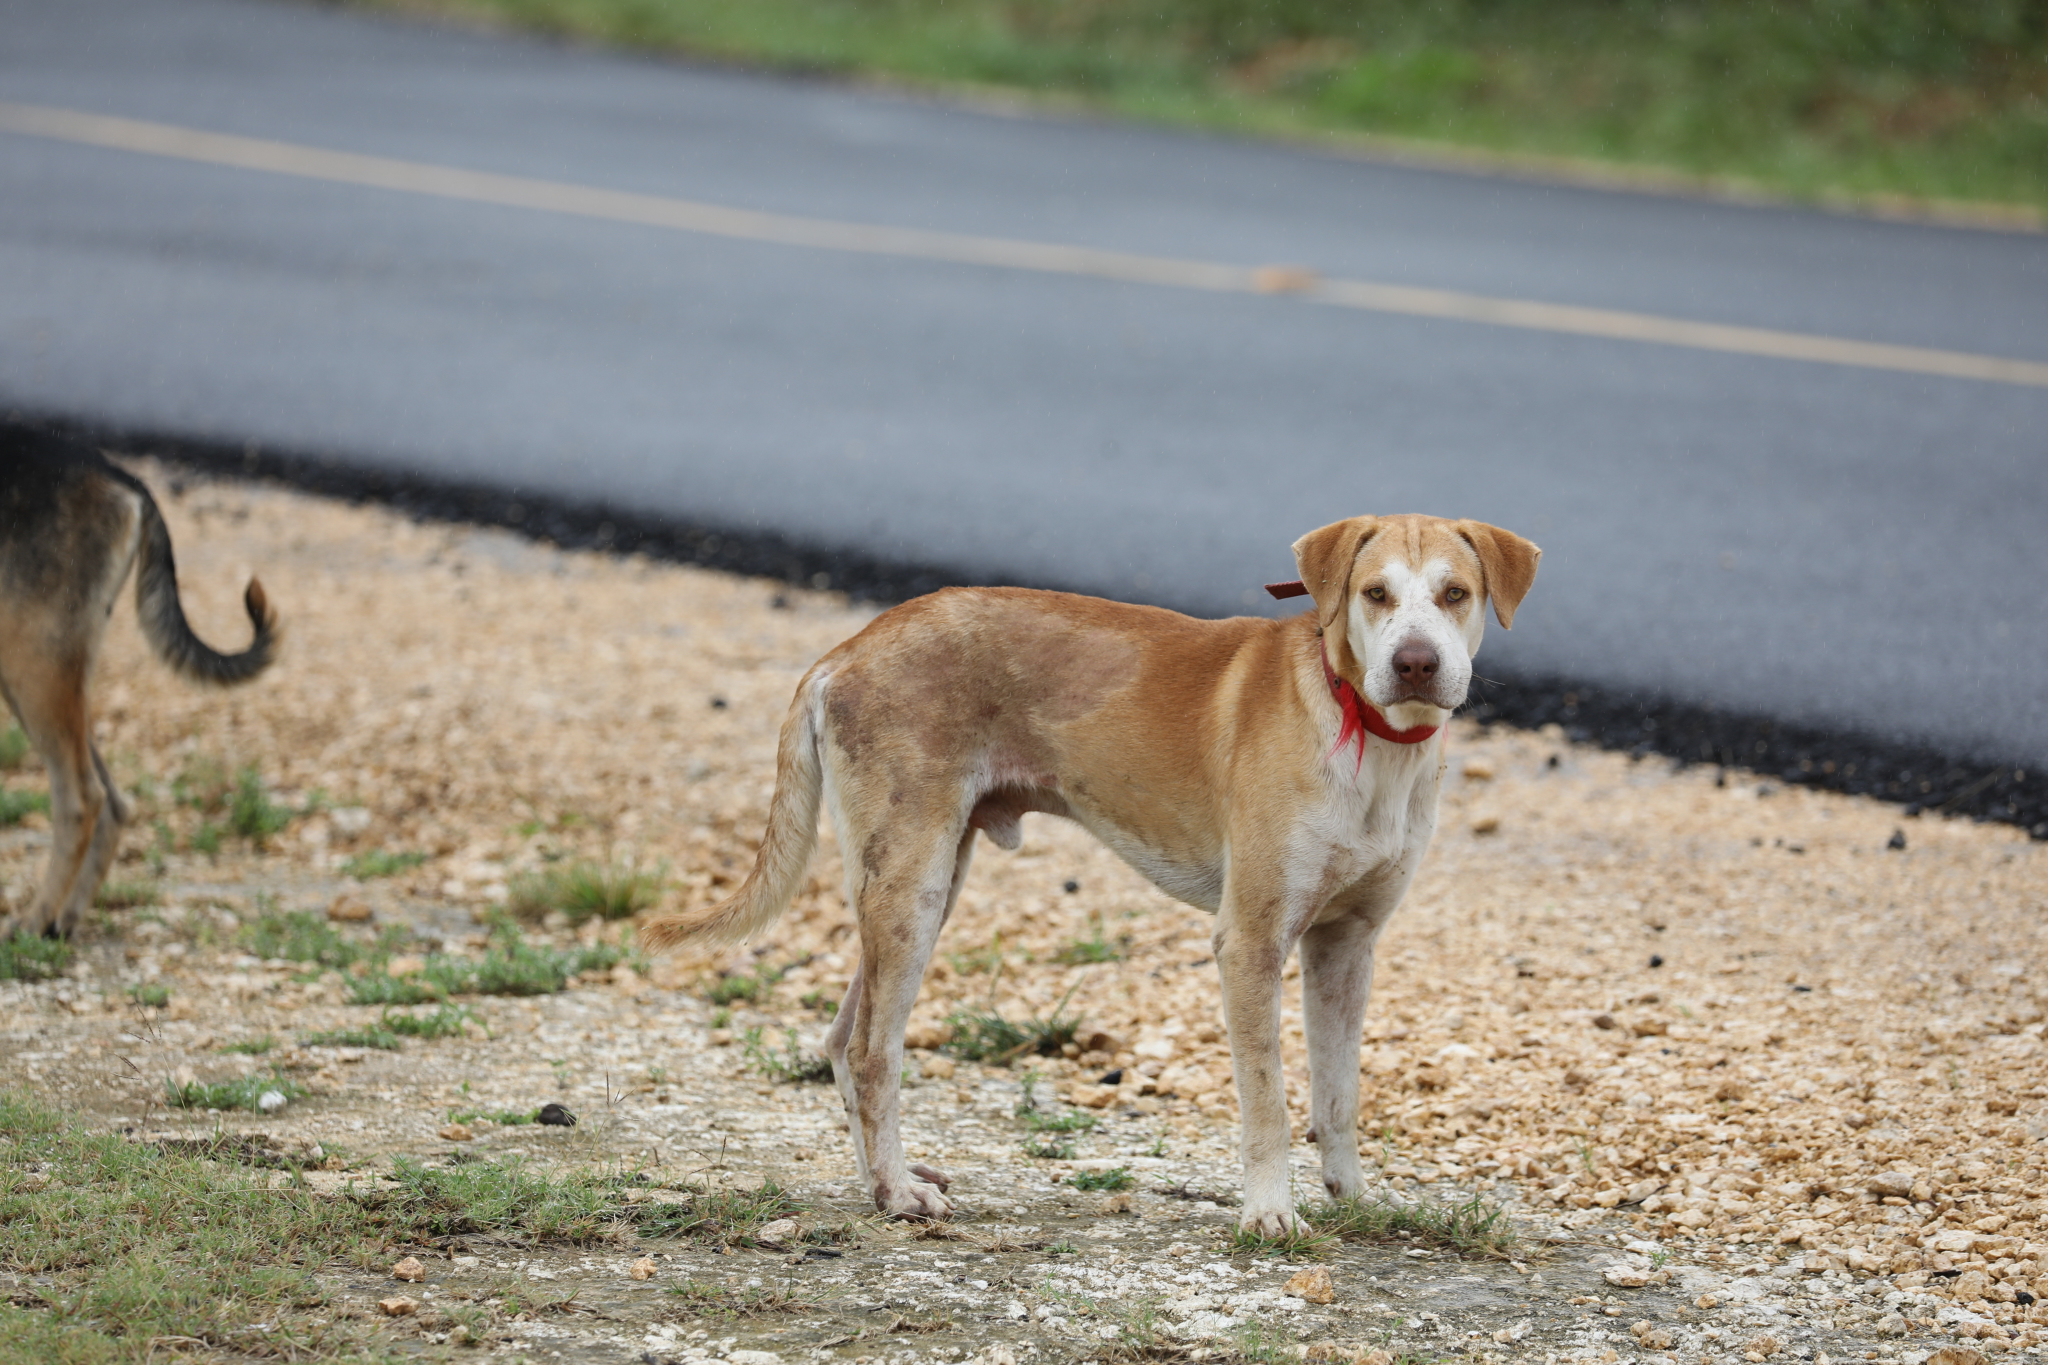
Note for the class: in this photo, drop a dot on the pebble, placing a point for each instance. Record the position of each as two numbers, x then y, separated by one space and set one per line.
643 1269
409 1270
456 1132
1312 1284
399 1307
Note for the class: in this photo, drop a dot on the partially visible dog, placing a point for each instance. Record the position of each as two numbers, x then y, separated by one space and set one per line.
1280 774
72 525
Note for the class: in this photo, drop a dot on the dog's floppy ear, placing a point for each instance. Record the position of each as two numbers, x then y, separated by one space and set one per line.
1325 557
1508 563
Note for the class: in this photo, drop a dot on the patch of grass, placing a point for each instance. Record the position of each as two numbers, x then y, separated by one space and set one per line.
128 895
1302 1243
150 994
31 957
378 863
300 936
985 1036
1054 1148
16 806
139 1254
250 1047
1470 1227
14 747
205 839
1097 947
752 987
504 1118
203 783
251 812
477 1197
245 1093
732 1217
382 1039
1935 98
1115 1178
828 1005
790 1063
510 966
1073 1121
584 890
445 1022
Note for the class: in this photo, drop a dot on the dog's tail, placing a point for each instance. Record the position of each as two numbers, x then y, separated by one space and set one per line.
785 848
163 615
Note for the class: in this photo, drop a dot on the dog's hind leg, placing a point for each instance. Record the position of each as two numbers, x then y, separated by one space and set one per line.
49 697
904 886
106 837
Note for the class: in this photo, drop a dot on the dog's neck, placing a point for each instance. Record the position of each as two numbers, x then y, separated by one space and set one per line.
1361 717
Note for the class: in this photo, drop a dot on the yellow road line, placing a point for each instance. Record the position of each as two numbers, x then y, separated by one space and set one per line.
686 215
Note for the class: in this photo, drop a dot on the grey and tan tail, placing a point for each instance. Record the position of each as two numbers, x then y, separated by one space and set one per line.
163 615
786 847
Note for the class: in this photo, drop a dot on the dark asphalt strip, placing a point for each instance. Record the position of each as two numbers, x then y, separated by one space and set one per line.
1749 747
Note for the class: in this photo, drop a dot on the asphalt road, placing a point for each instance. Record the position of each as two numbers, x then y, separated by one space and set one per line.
1840 542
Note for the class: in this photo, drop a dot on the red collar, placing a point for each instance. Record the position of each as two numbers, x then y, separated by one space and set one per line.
1361 718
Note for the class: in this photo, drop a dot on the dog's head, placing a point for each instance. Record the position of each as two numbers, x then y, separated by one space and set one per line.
1400 600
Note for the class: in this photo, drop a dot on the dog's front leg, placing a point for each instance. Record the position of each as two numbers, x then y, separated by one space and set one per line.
1252 943
1336 978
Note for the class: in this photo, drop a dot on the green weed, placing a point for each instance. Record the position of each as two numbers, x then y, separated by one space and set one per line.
205 839
16 806
128 895
584 890
251 812
1053 1148
1097 947
445 1022
378 863
504 1118
753 987
14 747
31 957
1470 1227
250 1047
382 1039
985 1036
510 966
300 936
246 1093
731 1217
1073 1121
151 994
828 1005
791 1063
1116 1178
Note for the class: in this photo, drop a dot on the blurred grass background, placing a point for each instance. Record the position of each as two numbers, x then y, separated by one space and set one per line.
1871 99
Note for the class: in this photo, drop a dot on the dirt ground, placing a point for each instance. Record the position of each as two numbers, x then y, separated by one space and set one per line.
1754 1077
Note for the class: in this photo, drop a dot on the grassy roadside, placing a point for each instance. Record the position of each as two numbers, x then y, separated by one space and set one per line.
1870 100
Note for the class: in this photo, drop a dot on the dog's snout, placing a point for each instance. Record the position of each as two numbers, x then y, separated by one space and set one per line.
1415 664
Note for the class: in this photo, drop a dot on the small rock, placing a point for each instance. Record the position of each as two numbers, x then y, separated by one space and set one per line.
939 1068
1121 1203
754 1358
643 1269
409 1270
349 910
1478 770
1486 824
555 1116
1891 1325
779 1233
1653 1337
1897 843
1969 1285
1604 1020
399 1307
270 1101
1898 1184
1626 1276
456 1132
1763 1347
406 964
458 1335
1955 1355
719 1037
1312 1284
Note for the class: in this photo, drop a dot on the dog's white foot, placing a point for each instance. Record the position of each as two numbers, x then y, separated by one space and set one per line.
1271 1224
915 1201
1344 1184
932 1174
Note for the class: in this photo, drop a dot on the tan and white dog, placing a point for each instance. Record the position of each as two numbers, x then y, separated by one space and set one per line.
1232 762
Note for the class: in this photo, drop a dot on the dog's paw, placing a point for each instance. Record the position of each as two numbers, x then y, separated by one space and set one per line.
1344 1184
932 1174
1271 1224
913 1201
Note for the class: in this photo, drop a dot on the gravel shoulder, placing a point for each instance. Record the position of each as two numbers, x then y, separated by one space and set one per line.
1751 1081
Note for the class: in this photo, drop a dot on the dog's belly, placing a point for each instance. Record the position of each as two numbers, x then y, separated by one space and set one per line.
1196 880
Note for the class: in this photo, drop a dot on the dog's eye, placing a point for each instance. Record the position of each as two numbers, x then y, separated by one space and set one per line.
1454 594
1376 594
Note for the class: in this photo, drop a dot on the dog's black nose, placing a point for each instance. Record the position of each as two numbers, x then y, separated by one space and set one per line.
1415 664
